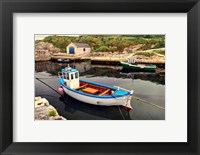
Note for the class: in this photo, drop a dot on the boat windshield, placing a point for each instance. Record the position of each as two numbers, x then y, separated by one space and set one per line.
67 76
76 75
72 76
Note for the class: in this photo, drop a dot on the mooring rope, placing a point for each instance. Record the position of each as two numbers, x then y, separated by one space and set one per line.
46 78
121 113
153 104
135 97
48 85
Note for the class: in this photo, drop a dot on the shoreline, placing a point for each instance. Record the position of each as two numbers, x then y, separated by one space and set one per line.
107 57
45 111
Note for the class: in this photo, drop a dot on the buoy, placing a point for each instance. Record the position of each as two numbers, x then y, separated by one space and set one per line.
60 89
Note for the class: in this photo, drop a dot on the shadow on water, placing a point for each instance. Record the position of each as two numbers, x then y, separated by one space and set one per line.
74 106
54 67
147 76
88 69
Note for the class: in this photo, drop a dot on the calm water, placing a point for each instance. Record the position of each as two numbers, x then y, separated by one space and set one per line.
148 86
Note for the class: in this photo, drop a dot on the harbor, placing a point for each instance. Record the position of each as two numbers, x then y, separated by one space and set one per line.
104 57
148 86
100 77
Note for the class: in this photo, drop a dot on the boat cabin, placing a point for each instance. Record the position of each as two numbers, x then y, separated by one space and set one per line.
71 77
131 60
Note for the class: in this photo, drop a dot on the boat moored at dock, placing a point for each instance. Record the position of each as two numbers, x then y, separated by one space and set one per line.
63 60
138 67
92 92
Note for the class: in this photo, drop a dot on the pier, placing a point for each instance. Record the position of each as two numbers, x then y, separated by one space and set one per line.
113 59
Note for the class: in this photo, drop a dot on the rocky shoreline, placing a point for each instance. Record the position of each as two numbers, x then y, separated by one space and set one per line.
45 111
46 51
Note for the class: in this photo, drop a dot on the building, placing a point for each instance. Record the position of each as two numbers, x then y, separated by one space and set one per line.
78 48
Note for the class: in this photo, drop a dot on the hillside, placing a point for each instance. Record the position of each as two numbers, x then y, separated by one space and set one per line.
108 43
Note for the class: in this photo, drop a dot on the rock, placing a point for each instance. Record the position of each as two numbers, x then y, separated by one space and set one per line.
41 102
45 111
37 98
42 55
44 50
47 46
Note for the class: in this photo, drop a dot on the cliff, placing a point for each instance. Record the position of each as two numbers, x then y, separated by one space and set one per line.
44 51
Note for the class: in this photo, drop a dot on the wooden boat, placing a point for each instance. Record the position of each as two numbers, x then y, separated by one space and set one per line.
138 67
92 92
63 60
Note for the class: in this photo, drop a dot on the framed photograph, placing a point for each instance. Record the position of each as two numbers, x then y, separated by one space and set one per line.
113 74
100 77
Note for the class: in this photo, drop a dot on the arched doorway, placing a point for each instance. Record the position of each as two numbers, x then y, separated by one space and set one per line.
71 50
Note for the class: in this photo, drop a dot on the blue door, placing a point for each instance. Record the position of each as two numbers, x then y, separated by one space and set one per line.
71 50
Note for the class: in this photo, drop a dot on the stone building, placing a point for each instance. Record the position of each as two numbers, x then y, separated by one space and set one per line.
78 48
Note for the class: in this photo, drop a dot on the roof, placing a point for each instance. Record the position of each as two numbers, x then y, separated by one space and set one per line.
84 45
69 69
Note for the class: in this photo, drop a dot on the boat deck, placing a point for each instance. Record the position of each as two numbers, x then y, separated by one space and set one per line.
93 89
90 90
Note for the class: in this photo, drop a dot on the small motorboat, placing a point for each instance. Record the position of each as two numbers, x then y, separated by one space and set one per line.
138 67
63 60
92 92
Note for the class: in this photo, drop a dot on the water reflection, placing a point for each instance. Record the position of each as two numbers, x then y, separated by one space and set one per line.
90 70
83 110
148 86
54 67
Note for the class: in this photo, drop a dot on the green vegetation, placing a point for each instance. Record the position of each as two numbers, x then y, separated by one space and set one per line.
101 43
159 52
52 113
147 54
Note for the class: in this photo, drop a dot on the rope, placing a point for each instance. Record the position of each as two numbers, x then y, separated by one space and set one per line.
137 98
121 113
48 86
46 78
116 65
49 95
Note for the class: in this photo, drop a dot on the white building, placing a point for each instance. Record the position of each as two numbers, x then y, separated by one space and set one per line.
78 48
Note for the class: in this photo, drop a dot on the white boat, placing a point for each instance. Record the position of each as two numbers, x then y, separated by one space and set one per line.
63 60
92 92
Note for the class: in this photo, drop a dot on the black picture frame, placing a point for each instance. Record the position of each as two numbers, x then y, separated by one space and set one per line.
8 7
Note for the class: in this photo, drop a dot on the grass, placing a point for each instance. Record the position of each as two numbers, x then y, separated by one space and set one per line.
52 113
159 52
105 43
147 54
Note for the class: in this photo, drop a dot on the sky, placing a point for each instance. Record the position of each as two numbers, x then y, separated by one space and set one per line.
42 36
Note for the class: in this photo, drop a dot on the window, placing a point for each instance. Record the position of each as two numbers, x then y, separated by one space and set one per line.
76 75
67 76
84 49
64 75
60 74
72 76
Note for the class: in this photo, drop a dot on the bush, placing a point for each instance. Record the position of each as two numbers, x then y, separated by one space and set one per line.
146 47
159 52
160 45
147 54
103 43
52 113
102 49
